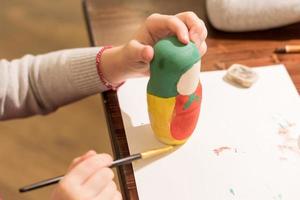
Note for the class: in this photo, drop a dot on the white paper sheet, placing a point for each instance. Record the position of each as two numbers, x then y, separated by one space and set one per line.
260 125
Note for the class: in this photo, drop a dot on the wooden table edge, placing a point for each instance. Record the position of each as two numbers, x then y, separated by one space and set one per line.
114 117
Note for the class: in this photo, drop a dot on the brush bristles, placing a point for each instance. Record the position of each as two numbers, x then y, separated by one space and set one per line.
155 152
280 50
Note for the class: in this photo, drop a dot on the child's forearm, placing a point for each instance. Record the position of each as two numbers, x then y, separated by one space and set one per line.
40 84
112 65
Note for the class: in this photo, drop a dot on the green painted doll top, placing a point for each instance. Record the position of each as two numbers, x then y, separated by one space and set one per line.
171 60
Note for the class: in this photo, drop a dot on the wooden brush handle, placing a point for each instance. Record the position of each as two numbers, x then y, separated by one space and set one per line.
292 48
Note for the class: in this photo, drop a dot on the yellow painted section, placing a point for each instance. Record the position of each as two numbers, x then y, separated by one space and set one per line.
160 113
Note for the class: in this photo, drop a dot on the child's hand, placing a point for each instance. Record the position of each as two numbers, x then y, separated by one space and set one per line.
186 26
133 58
88 178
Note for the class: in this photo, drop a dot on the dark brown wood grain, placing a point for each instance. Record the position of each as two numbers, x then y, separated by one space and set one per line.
113 22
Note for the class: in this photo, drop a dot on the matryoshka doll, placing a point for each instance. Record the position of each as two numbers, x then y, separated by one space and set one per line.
174 91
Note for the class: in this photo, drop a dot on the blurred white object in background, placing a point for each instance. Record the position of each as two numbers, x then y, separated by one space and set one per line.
251 15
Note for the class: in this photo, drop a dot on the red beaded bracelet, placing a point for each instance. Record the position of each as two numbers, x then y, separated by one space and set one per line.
101 76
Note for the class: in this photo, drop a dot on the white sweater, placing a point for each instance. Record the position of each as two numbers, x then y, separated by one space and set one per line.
40 84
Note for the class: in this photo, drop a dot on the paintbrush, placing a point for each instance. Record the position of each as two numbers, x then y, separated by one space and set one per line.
288 49
115 163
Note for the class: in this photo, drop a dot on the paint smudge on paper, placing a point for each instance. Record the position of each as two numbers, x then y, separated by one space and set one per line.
282 121
285 148
283 158
283 131
288 138
232 191
278 197
285 128
284 125
219 150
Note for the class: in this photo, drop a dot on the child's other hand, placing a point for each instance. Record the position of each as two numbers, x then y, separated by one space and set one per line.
132 59
88 178
186 26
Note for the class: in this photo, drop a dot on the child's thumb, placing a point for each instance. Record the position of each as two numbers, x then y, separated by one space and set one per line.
140 52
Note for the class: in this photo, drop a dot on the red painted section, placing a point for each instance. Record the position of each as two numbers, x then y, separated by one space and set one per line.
184 120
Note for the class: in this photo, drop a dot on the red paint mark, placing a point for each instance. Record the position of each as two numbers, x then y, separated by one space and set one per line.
221 149
286 147
283 158
184 121
290 124
283 148
283 131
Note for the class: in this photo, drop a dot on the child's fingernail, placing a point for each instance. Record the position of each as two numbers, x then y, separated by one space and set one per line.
147 53
186 38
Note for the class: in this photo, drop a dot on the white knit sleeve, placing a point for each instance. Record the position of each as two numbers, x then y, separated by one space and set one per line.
40 84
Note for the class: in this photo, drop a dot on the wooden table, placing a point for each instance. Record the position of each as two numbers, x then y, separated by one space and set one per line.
113 22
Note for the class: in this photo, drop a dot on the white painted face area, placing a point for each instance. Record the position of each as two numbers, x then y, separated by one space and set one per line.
189 81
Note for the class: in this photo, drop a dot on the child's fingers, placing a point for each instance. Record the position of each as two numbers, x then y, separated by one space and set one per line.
140 52
108 192
85 169
163 25
179 28
197 29
147 53
78 160
98 181
203 48
117 196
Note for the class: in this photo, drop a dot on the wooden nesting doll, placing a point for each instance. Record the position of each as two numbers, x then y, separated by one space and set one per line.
174 91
